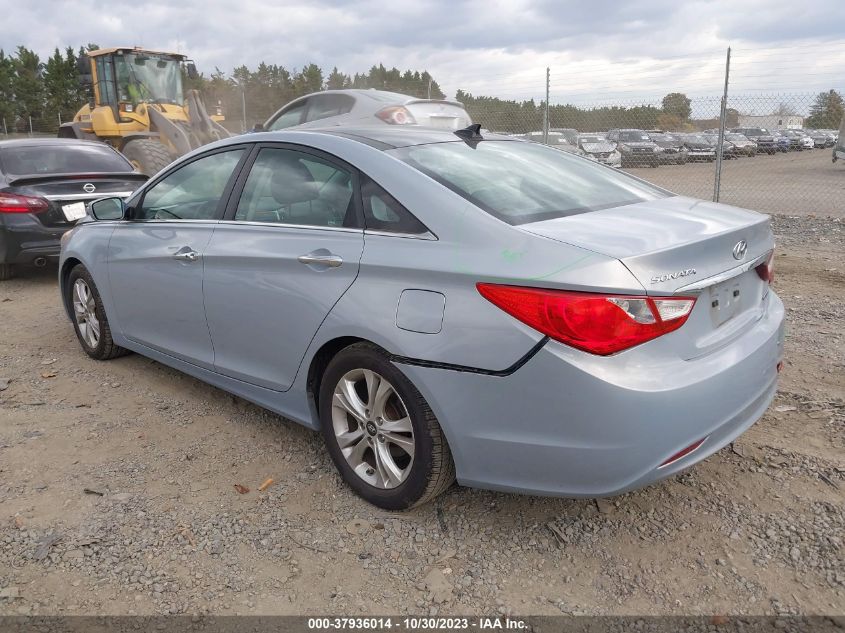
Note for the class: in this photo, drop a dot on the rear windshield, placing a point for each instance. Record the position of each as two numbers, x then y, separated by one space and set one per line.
520 182
29 160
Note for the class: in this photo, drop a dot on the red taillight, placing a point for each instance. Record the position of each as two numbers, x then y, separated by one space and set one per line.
596 323
14 203
396 115
766 270
689 449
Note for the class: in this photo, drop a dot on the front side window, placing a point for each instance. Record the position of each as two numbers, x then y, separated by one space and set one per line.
525 182
192 192
291 116
290 187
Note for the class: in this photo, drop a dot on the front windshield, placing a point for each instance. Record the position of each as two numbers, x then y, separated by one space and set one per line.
633 137
735 137
695 138
525 182
148 78
593 139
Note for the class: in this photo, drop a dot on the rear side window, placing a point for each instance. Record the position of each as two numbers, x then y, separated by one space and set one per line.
71 158
323 106
382 212
521 182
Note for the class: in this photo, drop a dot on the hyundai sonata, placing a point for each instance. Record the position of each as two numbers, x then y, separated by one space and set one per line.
443 305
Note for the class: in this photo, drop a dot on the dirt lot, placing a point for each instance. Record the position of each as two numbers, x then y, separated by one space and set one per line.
117 495
794 183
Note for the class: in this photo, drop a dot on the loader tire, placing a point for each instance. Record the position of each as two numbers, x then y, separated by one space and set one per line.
148 156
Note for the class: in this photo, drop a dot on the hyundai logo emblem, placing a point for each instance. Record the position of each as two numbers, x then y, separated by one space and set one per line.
740 249
88 188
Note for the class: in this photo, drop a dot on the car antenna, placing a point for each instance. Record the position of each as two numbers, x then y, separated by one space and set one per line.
471 134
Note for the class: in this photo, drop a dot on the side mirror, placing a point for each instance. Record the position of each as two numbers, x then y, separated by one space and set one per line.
258 127
107 209
191 69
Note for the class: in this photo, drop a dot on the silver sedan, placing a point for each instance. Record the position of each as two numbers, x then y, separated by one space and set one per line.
442 305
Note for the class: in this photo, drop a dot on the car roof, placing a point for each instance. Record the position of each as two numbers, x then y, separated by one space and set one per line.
381 137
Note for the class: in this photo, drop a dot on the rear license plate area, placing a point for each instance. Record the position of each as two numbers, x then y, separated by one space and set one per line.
74 211
726 301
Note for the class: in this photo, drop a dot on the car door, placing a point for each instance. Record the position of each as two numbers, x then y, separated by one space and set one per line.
287 250
156 256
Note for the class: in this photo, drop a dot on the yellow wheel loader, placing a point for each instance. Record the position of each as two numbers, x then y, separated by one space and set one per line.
138 106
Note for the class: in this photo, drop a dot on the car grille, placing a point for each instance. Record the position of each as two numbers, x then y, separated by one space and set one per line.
642 150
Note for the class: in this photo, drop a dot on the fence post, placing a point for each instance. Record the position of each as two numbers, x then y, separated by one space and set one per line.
243 106
717 185
546 111
59 115
5 131
30 126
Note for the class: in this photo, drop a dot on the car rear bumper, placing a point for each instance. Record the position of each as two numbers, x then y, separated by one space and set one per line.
23 239
571 424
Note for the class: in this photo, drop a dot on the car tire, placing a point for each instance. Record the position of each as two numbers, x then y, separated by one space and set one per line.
377 469
89 316
147 156
7 271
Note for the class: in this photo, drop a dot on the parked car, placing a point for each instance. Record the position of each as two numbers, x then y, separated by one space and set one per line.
796 139
821 140
596 147
728 149
673 148
744 145
44 185
636 147
568 133
556 140
761 136
365 107
782 141
698 148
363 282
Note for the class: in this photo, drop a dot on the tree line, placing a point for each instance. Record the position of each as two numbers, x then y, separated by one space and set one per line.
38 95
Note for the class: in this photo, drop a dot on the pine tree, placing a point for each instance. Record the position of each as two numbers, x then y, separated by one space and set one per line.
7 93
827 111
28 88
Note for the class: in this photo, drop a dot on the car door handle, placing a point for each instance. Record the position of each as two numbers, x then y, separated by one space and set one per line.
187 256
332 261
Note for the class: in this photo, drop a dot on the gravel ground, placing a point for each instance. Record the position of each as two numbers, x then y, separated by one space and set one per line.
117 495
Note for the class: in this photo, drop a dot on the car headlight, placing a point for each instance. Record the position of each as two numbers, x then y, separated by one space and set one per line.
658 149
624 148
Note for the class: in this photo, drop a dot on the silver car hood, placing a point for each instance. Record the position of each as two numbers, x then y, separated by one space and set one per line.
668 243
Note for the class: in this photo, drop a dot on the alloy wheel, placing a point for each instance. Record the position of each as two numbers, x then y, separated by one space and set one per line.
373 428
84 310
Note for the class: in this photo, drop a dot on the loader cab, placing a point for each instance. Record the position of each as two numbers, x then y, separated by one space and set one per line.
125 78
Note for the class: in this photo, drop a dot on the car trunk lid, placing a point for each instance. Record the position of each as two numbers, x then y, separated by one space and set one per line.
66 192
680 245
439 113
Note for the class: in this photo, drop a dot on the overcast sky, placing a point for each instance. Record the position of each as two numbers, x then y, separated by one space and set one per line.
598 50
